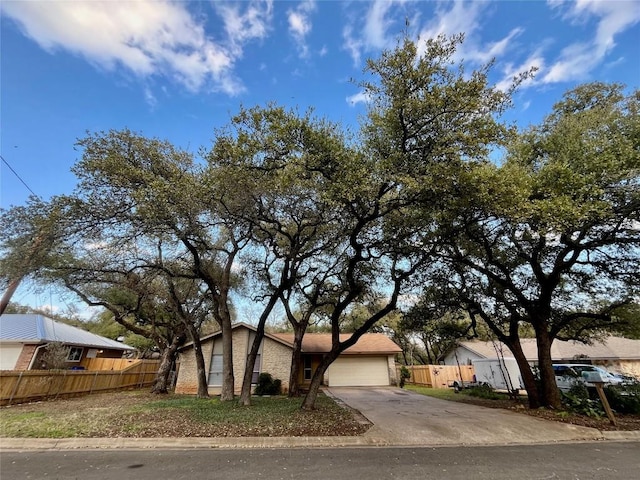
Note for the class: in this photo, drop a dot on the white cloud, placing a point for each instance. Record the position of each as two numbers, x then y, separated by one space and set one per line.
300 25
244 26
145 37
150 98
374 32
577 60
360 97
461 17
448 18
535 61
377 24
352 44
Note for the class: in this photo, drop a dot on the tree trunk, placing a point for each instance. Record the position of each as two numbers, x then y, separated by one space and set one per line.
550 395
245 393
528 378
227 393
309 402
203 388
167 359
296 359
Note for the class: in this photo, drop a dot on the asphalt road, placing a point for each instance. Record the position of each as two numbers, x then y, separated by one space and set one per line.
578 461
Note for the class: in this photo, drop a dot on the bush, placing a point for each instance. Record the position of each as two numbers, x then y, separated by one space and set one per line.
267 385
483 391
624 398
577 400
405 375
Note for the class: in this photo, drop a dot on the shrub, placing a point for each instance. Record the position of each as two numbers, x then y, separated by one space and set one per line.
405 375
483 391
624 398
267 385
577 400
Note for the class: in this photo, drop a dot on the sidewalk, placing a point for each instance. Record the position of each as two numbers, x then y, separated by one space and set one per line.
25 444
399 418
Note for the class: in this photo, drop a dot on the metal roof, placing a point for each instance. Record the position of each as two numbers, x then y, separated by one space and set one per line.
610 348
29 328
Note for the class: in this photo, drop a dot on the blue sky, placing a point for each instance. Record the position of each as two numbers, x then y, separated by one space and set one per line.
178 70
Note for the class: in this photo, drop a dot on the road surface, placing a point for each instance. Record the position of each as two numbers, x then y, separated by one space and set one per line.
577 461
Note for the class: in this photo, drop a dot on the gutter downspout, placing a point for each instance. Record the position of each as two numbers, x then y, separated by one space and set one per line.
35 355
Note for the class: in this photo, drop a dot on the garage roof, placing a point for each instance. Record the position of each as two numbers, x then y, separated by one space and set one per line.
369 343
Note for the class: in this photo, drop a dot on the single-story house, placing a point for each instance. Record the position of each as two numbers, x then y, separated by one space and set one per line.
616 354
23 338
371 361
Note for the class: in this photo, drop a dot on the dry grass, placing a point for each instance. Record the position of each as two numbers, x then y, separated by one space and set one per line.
140 414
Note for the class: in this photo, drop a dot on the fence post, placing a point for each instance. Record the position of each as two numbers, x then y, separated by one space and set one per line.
62 384
15 389
93 384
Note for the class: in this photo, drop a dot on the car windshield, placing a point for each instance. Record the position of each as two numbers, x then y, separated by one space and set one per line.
583 368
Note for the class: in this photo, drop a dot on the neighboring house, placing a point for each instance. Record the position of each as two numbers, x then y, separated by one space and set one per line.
23 339
616 354
371 361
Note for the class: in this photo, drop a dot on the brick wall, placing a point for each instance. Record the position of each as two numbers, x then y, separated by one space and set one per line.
25 357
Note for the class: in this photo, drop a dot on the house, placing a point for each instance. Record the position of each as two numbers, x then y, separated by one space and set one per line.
23 338
371 361
616 354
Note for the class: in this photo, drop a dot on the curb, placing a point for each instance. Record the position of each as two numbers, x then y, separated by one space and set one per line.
35 444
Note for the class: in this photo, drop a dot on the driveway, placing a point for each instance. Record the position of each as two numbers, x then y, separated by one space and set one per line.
401 417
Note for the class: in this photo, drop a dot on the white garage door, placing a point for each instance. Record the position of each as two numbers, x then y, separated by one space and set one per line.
9 354
359 372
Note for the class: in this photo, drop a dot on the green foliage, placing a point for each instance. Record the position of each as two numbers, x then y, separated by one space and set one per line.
624 398
267 385
405 375
482 391
577 400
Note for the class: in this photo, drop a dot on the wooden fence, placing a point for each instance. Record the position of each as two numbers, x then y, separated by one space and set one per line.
29 385
107 363
438 376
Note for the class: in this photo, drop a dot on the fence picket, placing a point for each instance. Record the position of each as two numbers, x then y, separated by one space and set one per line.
26 385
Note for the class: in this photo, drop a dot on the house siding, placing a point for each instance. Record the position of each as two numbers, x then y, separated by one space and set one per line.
391 364
275 358
187 381
277 361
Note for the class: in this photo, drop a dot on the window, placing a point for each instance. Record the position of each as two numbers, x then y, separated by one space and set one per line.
256 370
257 367
215 370
307 368
75 354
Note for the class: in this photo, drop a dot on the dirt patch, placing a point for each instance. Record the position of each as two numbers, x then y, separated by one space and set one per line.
625 422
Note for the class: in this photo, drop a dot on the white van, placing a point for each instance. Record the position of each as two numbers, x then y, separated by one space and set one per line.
568 374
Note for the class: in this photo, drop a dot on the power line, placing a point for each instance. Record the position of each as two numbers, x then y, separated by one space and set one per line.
17 176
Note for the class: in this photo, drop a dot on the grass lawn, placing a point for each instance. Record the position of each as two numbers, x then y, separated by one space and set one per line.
140 414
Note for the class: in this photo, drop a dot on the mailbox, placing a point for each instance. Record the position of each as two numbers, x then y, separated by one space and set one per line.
592 377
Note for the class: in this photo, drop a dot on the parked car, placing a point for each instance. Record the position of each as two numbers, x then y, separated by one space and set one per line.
568 374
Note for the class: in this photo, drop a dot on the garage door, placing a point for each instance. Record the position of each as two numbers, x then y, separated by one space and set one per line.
359 372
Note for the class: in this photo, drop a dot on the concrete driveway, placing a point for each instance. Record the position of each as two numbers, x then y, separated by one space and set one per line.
401 417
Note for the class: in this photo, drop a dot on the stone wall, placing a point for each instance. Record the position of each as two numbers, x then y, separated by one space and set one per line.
275 359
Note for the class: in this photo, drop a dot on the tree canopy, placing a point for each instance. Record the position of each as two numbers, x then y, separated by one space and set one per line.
288 208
